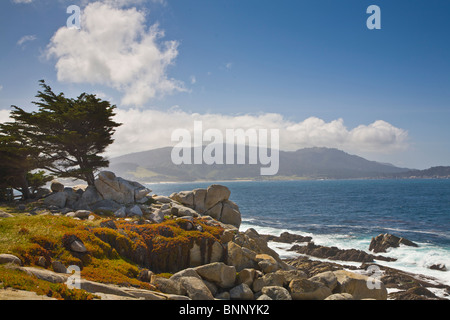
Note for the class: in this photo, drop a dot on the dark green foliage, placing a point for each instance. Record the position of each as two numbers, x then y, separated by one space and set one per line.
68 134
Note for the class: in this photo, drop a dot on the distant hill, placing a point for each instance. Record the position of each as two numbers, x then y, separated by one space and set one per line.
310 163
434 172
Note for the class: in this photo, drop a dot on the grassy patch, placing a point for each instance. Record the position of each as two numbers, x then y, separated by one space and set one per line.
114 255
17 279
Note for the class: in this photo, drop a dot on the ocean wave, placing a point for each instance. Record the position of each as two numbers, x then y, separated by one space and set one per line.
409 259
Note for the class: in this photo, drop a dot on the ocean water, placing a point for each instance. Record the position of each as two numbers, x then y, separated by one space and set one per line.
347 214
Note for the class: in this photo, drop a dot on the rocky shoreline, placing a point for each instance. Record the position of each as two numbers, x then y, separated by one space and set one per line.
188 246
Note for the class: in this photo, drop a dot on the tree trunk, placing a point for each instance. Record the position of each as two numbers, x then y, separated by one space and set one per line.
24 187
90 179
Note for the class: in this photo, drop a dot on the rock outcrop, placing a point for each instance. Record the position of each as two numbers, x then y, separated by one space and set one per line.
334 253
213 201
382 242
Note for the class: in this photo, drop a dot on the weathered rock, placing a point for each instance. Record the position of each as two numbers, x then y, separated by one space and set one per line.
199 200
56 186
276 293
334 253
188 272
157 216
161 199
196 289
9 258
82 214
270 279
290 275
328 278
135 211
357 285
44 274
214 194
181 211
59 267
56 199
219 273
13 294
264 297
168 285
41 261
186 198
105 205
239 258
215 212
94 287
121 213
246 276
230 213
384 241
4 214
438 266
197 257
304 289
287 237
416 293
241 292
118 189
340 296
88 197
72 197
266 263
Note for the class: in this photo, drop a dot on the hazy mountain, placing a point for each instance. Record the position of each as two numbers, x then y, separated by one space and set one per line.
434 172
311 163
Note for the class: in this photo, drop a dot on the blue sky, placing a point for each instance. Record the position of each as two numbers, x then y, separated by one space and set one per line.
311 67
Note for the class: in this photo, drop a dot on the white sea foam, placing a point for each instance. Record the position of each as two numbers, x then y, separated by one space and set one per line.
409 259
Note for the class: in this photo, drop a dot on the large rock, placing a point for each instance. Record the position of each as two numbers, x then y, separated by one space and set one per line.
216 193
270 279
334 253
230 213
197 257
241 292
239 257
199 200
56 186
384 241
328 278
88 197
186 198
118 189
304 289
360 286
56 199
219 273
276 293
9 258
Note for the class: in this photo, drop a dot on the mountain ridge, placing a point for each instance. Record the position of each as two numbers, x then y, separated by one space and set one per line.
309 163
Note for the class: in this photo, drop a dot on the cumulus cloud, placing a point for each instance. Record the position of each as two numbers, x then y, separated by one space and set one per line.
148 129
22 1
115 48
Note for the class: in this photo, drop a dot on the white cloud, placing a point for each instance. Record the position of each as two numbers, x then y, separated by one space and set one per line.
148 129
25 39
193 80
1 87
115 48
22 1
